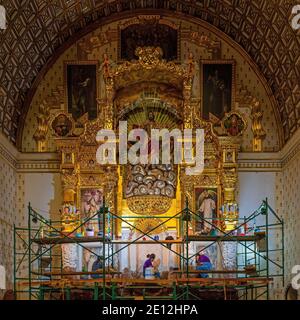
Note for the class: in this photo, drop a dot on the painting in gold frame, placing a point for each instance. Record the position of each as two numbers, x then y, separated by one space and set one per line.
81 88
91 200
206 204
68 159
218 82
229 156
153 31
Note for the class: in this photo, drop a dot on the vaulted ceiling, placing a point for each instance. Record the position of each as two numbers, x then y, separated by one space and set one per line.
38 28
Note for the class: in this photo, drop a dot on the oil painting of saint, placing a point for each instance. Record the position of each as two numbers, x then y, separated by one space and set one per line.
149 35
82 90
205 207
217 90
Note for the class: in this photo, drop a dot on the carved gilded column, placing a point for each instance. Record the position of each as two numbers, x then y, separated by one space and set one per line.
69 169
110 92
230 147
69 184
110 191
108 123
187 93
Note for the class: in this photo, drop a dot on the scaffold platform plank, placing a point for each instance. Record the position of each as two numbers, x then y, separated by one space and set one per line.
223 238
61 240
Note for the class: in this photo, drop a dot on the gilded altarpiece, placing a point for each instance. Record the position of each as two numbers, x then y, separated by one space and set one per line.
149 93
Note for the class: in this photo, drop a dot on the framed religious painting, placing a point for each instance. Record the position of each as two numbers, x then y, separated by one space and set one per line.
91 200
217 88
81 88
165 36
229 156
68 160
206 207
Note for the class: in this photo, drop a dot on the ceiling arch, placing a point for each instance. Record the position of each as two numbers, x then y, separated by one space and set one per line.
37 29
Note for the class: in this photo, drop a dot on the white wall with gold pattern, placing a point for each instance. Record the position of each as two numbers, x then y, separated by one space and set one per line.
195 39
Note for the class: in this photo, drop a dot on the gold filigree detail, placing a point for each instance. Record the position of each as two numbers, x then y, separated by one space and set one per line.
205 41
149 204
246 100
42 129
87 45
90 180
149 57
90 131
258 131
69 179
150 67
148 19
145 225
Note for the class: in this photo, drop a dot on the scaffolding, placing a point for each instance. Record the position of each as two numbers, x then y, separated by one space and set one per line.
256 243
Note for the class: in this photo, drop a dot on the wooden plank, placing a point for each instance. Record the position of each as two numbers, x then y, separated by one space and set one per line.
213 271
223 238
74 273
147 242
125 281
61 240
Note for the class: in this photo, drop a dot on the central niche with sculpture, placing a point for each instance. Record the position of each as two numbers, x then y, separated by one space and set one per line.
150 188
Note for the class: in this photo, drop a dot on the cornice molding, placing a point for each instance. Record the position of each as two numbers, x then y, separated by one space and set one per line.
247 161
39 162
28 162
265 162
272 161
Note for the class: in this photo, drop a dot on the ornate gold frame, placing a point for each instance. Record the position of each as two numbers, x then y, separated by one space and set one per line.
66 163
219 194
219 198
81 62
228 114
233 80
150 67
140 19
55 115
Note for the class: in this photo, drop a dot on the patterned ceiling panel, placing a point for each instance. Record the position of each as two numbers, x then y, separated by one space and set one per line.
37 28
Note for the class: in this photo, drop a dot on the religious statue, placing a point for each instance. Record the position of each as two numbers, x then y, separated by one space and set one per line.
151 179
